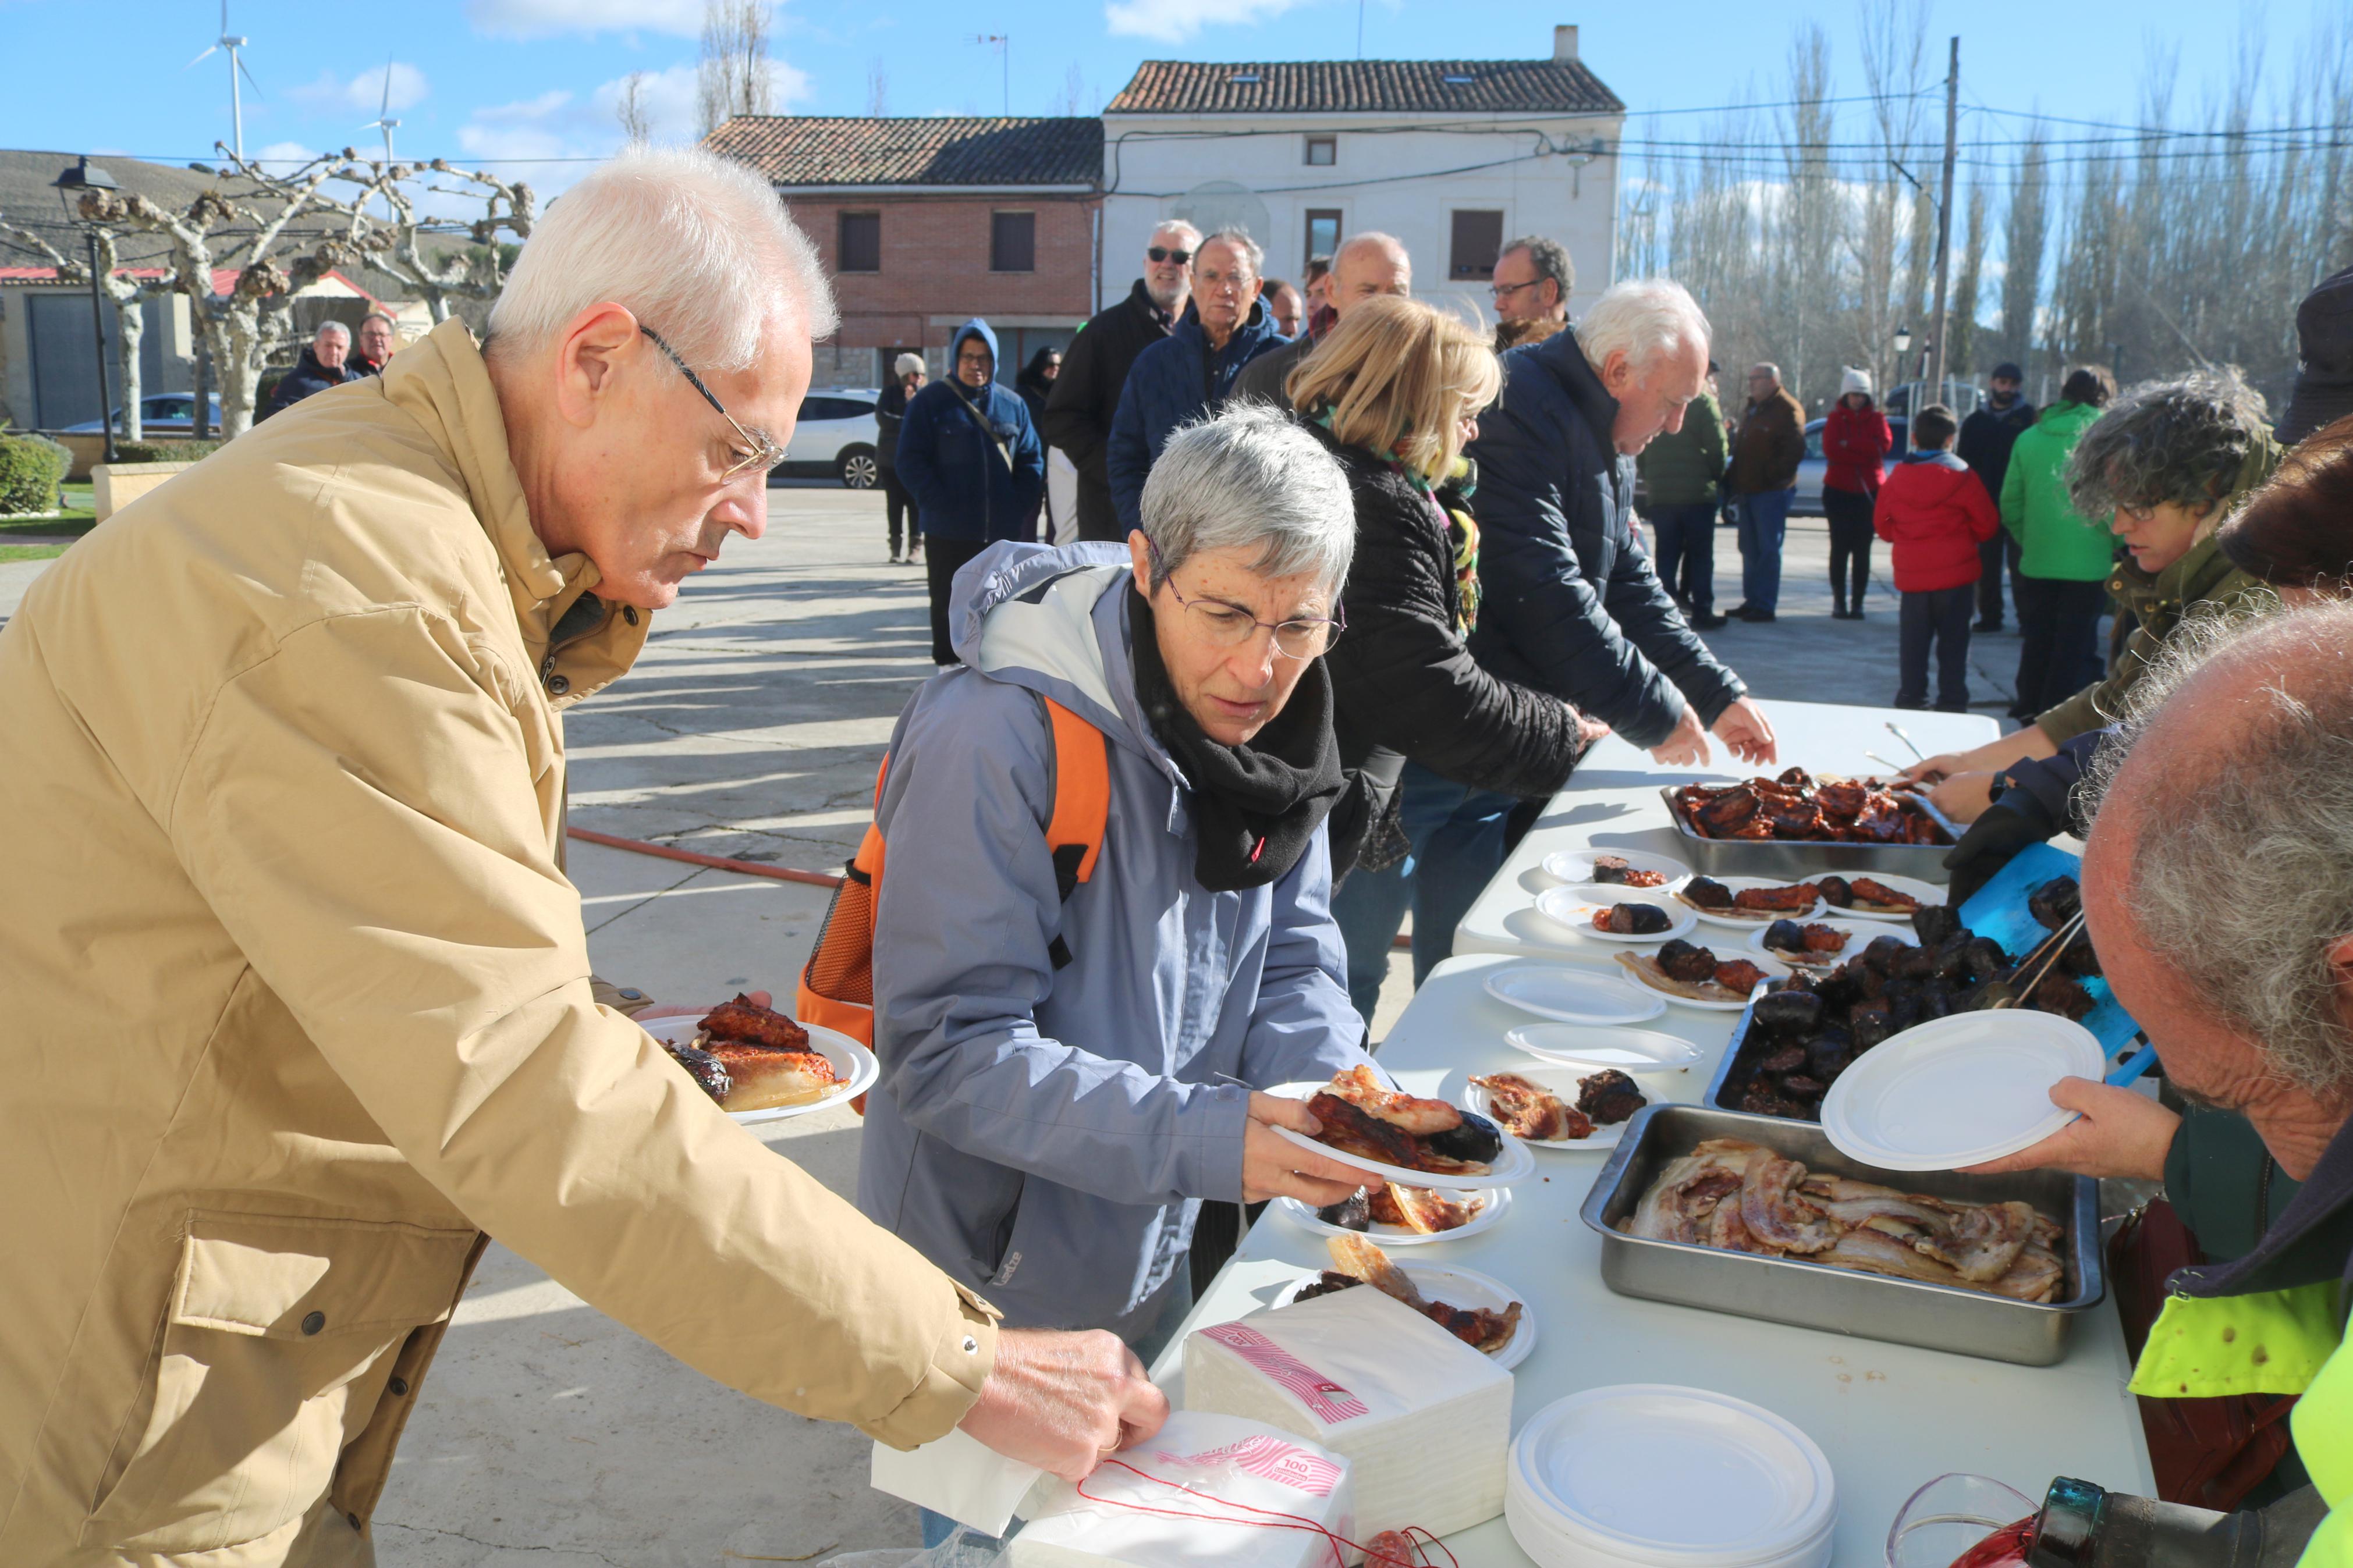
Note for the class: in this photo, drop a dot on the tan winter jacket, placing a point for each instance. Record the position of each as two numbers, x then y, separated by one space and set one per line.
296 1006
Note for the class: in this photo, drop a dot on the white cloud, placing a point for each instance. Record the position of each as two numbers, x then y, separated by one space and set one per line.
545 18
1175 21
283 157
560 124
364 92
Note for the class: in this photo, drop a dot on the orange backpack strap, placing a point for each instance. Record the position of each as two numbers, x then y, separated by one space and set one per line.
1074 834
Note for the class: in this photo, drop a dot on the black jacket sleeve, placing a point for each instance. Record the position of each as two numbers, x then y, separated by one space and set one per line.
1078 410
1538 484
1402 678
2052 781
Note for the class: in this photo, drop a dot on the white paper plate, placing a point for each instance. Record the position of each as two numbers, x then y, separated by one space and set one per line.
851 1060
1592 1048
1562 1081
1456 1288
1928 893
1765 918
1576 866
1616 1467
1513 1164
1493 1206
1773 967
1573 995
1860 934
1956 1091
1572 909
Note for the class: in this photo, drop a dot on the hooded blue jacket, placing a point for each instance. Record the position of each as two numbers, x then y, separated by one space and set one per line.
1176 379
1571 604
963 484
1046 1135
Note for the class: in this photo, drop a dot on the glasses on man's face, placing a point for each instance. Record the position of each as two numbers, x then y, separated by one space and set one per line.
1228 625
1502 291
757 451
1161 253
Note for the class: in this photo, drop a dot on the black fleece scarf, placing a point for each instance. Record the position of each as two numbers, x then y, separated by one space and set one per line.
1255 807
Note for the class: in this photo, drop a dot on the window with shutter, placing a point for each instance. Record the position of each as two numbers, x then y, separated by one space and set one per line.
1323 231
1478 235
1013 242
861 242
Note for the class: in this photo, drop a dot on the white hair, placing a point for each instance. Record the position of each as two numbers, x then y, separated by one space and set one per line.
696 246
1251 478
1239 239
337 328
1176 226
1645 318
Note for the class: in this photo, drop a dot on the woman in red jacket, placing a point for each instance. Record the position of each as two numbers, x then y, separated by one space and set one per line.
1855 442
1934 512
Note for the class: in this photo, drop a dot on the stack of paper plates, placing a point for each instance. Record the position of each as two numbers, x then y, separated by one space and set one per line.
1647 1475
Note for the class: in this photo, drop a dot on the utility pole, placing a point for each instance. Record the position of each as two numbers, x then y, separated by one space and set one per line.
1945 221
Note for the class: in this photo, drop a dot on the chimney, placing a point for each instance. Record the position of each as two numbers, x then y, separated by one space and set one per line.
1564 43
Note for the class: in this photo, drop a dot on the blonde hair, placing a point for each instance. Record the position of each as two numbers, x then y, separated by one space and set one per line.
1399 377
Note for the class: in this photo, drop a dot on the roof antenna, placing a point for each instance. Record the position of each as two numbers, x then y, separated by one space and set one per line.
1360 29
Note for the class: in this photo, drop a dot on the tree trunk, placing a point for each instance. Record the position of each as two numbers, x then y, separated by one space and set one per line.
130 326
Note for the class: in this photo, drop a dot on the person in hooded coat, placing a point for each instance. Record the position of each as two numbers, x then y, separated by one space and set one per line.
1856 439
970 457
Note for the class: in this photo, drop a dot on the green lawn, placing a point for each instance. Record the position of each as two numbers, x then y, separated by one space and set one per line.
76 518
31 552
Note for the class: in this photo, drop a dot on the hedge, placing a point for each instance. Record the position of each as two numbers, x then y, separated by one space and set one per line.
30 470
164 451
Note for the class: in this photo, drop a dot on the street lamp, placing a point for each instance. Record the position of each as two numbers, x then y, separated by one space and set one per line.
85 176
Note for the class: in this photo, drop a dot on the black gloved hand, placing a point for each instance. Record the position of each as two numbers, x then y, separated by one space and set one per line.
2001 831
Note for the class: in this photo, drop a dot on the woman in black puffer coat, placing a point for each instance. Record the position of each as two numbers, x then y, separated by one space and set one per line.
1396 389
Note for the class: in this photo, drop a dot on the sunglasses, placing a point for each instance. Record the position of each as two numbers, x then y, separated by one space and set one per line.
1161 253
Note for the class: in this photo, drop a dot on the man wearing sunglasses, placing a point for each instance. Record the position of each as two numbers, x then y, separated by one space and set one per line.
1085 398
1066 1079
299 998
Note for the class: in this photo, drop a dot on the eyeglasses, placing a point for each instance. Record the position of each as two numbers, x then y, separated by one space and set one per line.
1160 253
1502 291
764 454
1228 625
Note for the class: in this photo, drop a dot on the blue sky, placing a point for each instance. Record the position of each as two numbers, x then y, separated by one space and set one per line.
520 80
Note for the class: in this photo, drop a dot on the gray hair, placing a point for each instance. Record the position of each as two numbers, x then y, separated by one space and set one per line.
1239 239
697 246
1176 226
1645 318
2183 440
2241 878
1550 258
1251 478
336 328
909 364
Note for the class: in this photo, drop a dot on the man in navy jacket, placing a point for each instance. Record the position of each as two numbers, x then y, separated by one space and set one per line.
971 458
1190 372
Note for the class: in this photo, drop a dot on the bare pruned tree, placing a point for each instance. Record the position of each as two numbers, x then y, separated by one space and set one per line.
1960 354
877 89
630 109
2027 227
733 77
129 296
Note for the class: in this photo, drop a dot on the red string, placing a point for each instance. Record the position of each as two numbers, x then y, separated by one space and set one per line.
1297 1521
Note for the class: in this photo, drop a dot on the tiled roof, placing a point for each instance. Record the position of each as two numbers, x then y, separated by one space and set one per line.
1366 87
964 150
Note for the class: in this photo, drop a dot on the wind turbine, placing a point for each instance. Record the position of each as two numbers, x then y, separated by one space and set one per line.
232 43
384 120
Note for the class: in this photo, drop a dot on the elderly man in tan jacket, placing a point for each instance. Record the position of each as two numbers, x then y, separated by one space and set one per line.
297 999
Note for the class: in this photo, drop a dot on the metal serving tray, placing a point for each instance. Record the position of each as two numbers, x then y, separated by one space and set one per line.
1730 1071
1838 1300
1802 857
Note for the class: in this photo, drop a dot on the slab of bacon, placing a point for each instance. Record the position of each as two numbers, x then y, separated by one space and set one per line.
1363 1117
1743 1197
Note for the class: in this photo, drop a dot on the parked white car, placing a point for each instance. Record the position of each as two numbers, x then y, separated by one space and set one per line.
160 413
835 435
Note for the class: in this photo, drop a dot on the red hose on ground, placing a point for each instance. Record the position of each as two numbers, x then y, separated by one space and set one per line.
719 862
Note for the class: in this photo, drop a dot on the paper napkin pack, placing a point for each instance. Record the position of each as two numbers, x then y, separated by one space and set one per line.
1424 1420
1246 1490
959 1477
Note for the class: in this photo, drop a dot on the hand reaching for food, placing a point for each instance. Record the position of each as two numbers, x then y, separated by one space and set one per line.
1747 733
1687 747
2123 1134
1064 1401
1963 796
1275 1167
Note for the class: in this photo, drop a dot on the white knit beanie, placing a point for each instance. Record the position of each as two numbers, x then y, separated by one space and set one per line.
908 364
1856 381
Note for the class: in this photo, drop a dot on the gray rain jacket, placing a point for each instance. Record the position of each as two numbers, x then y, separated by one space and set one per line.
1046 1135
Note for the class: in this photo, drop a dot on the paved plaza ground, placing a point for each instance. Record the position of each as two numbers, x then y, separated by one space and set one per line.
549 1437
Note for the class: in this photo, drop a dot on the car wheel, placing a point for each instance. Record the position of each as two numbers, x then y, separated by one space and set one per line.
858 469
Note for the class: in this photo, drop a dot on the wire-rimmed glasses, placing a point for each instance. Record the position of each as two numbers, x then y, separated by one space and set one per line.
1230 625
764 454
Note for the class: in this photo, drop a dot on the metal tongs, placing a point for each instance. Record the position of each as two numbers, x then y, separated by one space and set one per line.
2041 961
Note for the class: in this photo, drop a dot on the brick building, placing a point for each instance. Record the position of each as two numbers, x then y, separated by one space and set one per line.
925 223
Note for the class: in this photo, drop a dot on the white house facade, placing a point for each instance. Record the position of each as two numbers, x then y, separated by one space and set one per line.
1452 157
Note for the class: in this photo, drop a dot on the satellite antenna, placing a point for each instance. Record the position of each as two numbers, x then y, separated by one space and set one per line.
232 43
384 120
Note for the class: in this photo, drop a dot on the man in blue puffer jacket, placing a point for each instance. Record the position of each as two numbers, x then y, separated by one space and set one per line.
971 458
1190 372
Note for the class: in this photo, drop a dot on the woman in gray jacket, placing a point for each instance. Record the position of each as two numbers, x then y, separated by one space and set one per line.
1065 1082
